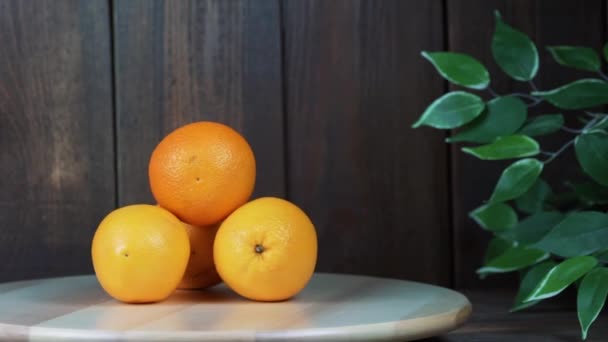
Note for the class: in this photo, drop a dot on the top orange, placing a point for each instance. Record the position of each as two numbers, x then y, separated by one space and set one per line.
202 172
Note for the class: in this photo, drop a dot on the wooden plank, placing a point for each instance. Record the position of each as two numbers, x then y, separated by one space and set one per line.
183 61
375 189
547 23
56 160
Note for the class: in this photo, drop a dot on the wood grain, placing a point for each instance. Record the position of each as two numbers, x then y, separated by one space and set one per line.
332 132
56 156
547 23
184 61
330 308
375 188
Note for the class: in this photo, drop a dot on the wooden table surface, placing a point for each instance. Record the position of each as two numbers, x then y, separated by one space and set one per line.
551 321
331 308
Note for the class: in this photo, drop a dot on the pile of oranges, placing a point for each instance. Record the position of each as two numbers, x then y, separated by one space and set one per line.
203 230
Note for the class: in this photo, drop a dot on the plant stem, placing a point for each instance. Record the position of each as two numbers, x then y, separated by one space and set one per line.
588 125
571 130
532 85
535 100
591 123
535 103
602 75
602 120
492 92
596 115
555 154
526 96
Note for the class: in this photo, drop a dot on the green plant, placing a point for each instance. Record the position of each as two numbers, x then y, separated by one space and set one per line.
562 239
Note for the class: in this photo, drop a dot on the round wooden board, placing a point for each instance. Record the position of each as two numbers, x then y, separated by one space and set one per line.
331 308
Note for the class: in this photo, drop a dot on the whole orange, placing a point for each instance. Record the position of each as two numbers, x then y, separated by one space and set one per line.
200 272
140 253
266 250
202 172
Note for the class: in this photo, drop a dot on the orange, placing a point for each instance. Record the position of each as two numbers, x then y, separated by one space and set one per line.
266 250
140 253
202 172
200 272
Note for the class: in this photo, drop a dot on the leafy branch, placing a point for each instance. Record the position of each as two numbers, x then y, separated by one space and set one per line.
553 155
562 238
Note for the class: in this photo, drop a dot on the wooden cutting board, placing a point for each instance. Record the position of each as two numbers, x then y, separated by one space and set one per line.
331 308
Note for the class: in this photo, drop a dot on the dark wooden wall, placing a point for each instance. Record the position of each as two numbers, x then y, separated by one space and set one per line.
325 91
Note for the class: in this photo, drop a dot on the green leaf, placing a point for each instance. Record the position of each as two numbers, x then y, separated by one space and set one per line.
561 276
514 52
495 217
591 297
542 125
605 51
528 284
579 94
509 147
592 154
580 233
534 199
452 110
533 228
577 57
516 179
513 259
459 69
496 247
502 116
